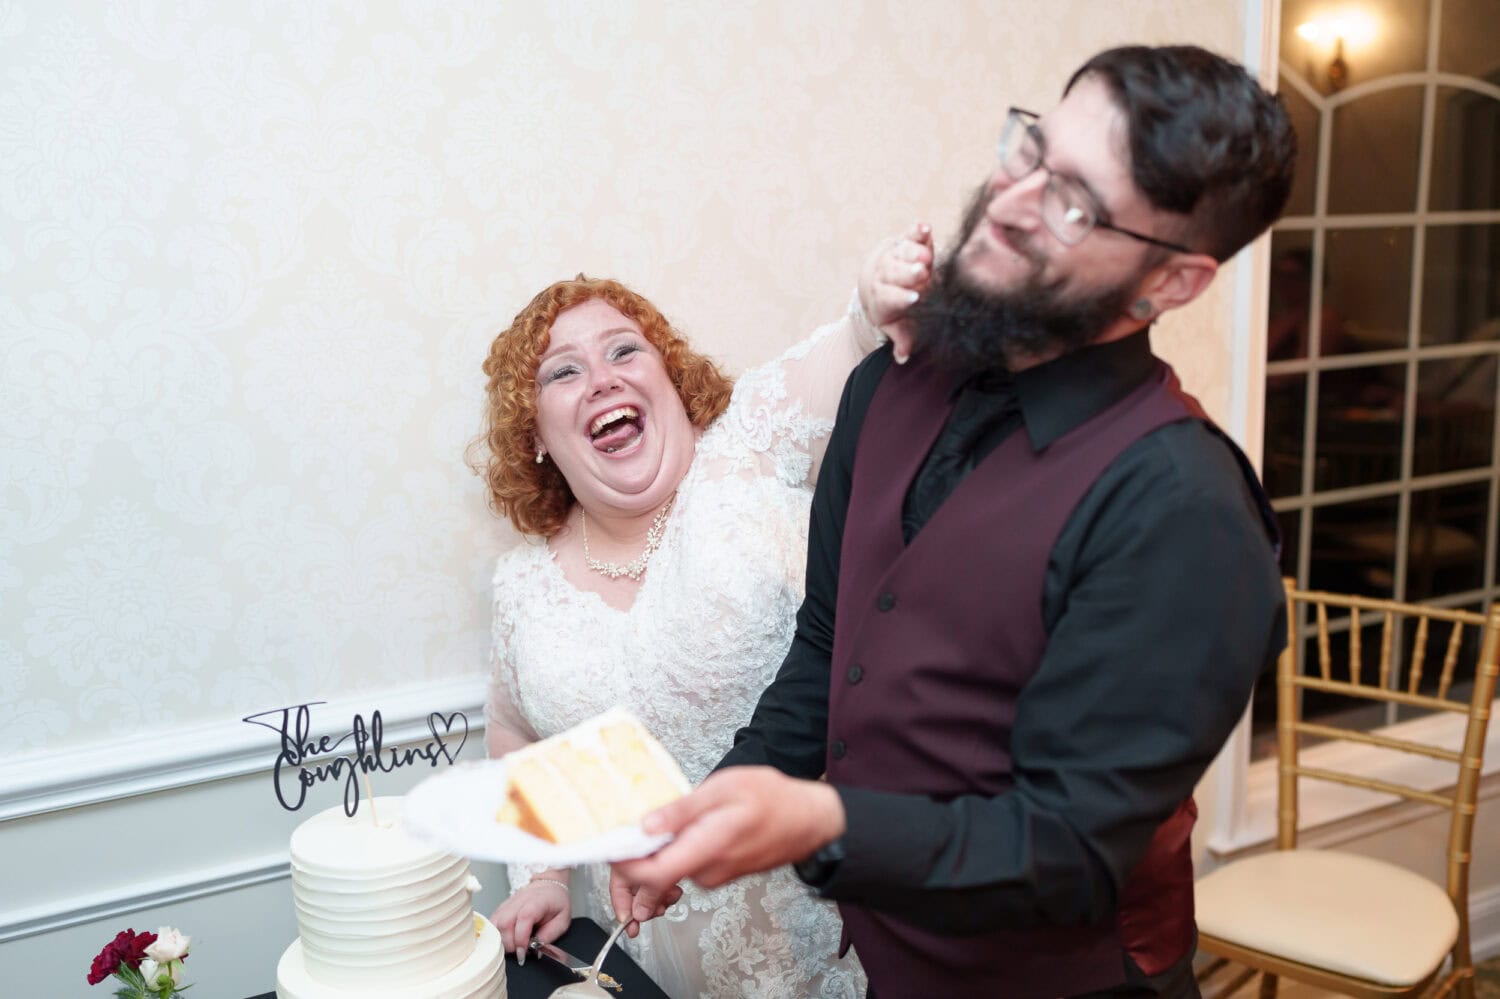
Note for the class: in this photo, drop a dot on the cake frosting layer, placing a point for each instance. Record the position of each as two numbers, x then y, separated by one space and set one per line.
481 976
380 912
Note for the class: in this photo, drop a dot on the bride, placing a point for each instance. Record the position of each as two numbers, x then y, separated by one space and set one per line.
665 510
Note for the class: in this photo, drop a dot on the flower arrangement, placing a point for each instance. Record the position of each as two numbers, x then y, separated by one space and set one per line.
150 964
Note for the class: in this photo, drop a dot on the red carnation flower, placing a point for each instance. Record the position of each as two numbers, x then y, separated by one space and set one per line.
104 966
127 948
133 949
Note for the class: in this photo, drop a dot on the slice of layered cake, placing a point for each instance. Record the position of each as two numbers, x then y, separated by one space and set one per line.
602 774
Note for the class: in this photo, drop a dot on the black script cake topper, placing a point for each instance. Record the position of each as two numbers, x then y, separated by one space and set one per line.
298 746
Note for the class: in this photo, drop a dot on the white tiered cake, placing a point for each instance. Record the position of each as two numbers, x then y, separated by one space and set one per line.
384 916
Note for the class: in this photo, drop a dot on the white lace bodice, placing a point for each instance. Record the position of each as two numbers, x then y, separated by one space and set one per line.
708 629
710 624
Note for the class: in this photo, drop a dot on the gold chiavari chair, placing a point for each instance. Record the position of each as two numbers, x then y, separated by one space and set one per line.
1341 921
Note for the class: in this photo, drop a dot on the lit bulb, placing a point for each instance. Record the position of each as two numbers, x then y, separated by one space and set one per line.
1354 27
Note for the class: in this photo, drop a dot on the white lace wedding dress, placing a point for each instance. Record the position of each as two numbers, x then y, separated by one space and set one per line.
712 619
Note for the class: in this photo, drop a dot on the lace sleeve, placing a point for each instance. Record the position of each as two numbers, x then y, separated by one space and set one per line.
783 411
505 724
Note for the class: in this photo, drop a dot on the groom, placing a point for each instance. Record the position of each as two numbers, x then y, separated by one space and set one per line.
1040 585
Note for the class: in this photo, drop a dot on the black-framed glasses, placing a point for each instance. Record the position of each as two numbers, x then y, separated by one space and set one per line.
1068 209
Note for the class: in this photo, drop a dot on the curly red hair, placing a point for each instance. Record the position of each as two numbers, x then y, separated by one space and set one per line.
534 496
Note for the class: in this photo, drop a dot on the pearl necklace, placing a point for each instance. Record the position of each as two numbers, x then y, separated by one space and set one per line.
637 567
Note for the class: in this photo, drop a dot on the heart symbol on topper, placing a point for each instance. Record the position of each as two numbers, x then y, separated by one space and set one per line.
447 723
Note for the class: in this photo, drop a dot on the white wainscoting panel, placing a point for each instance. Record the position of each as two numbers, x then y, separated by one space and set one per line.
190 835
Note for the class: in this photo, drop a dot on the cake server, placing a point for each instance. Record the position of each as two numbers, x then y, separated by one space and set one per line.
589 987
593 972
573 963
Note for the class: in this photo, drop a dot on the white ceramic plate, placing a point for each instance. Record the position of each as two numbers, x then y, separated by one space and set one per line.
455 809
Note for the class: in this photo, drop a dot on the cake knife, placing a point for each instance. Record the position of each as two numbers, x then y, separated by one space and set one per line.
576 965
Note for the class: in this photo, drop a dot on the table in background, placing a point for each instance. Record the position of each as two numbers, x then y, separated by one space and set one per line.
539 977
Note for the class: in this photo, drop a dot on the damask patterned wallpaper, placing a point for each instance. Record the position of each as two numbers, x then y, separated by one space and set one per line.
251 256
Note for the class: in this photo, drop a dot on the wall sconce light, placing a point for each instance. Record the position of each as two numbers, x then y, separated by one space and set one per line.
1353 27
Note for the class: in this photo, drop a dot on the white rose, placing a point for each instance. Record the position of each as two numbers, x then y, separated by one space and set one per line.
170 945
153 973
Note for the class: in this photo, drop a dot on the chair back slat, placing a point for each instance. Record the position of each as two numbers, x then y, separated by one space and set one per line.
1418 656
1445 681
1387 640
1370 693
1373 784
1354 657
1380 741
1324 659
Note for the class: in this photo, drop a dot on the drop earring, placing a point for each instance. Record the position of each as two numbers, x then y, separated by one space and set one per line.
539 453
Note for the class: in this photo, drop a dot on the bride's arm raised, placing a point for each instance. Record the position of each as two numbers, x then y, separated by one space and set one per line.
785 407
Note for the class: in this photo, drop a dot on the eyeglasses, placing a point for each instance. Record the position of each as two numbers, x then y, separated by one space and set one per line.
1068 209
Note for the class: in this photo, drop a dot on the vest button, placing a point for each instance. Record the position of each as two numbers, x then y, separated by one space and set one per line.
838 749
886 601
856 673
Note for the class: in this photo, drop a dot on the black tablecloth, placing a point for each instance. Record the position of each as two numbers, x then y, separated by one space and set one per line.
539 977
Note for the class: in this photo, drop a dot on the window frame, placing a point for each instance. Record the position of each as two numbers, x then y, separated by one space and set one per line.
1243 816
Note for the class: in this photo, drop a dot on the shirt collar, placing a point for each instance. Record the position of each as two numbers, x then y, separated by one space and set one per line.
1069 390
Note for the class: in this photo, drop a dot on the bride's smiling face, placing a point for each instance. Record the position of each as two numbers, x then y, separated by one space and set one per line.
608 414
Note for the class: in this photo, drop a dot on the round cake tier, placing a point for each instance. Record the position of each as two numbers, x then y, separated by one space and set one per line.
333 844
376 907
482 976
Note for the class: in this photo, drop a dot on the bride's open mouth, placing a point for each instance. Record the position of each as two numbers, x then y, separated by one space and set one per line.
617 430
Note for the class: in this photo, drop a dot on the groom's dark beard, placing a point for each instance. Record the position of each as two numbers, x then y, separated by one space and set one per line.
970 329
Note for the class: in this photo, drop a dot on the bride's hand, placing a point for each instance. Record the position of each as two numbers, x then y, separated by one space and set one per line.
541 908
893 278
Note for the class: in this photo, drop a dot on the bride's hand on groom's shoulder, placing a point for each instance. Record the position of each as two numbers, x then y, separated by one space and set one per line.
738 821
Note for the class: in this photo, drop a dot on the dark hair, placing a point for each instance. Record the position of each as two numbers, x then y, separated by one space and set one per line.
1206 140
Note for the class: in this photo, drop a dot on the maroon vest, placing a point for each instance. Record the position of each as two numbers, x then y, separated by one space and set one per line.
946 632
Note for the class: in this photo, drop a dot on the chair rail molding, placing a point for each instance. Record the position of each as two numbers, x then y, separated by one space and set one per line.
75 910
109 769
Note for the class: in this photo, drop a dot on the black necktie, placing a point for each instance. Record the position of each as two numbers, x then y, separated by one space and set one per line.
986 411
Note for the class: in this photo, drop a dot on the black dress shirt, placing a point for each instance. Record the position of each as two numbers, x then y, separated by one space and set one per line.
1126 710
